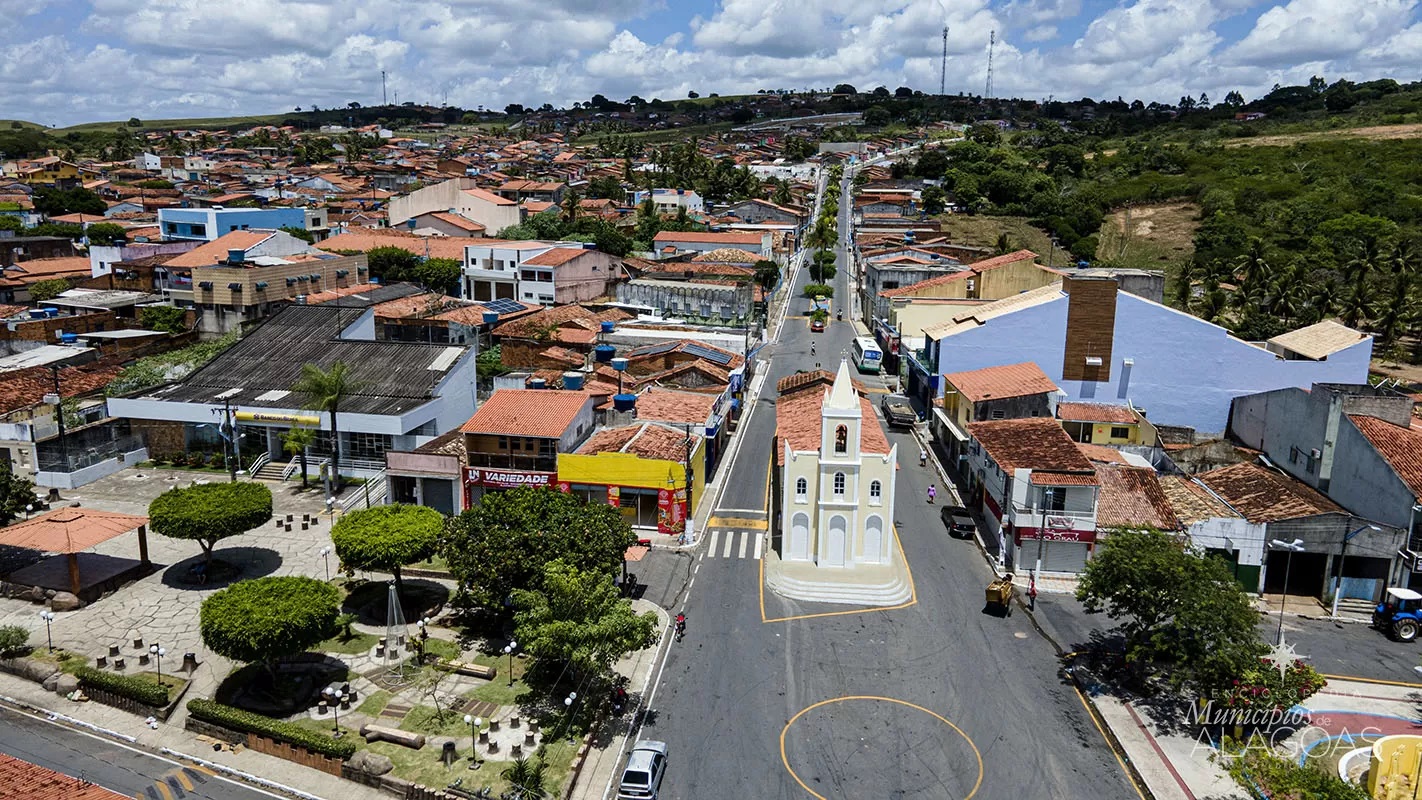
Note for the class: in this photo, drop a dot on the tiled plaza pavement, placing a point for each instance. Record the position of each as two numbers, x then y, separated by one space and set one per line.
163 607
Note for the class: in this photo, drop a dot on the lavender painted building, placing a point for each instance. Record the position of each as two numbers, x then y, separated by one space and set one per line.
1101 345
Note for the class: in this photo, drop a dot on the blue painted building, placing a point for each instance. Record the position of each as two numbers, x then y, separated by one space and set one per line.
207 224
1105 346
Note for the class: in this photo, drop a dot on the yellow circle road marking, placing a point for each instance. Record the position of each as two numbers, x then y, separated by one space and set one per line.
786 761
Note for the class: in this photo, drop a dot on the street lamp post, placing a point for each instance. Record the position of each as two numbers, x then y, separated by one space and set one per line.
424 626
568 704
1296 546
336 696
1342 558
29 509
326 556
509 651
158 653
474 723
48 617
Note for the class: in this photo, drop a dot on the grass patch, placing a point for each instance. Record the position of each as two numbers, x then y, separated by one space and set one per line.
1159 237
425 767
63 660
358 643
427 720
176 685
434 564
982 230
375 703
444 649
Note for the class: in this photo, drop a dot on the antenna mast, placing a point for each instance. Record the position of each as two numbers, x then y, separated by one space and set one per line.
384 96
992 42
943 68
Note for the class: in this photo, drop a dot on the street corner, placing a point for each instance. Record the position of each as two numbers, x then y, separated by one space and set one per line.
866 745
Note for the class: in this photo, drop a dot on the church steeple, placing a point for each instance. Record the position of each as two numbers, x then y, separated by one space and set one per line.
842 396
841 415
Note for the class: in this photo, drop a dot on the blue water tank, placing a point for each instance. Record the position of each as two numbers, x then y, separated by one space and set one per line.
603 353
375 281
607 326
573 381
69 338
619 364
37 313
624 402
51 311
537 383
490 317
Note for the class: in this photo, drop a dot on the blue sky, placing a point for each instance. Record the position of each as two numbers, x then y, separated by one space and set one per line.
69 61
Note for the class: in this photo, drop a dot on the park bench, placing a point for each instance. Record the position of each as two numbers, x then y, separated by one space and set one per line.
376 733
473 670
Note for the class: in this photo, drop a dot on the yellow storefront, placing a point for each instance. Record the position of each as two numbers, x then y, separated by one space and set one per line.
650 492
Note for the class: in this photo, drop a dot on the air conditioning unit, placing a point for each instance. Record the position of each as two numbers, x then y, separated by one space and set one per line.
1093 361
1314 454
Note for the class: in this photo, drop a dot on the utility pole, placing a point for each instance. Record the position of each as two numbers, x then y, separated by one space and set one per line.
689 528
59 415
384 96
228 432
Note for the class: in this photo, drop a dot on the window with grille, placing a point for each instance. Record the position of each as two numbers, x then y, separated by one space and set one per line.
839 484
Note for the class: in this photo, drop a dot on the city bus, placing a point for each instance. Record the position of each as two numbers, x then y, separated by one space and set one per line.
867 355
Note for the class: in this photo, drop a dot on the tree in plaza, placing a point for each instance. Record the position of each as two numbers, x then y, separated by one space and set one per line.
580 619
295 441
525 777
325 390
387 538
261 620
209 512
1174 608
505 541
15 494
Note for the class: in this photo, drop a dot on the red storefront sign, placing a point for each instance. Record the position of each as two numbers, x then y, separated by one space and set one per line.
1057 529
671 510
506 478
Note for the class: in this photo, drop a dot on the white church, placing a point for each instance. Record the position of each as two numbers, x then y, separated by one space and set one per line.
836 474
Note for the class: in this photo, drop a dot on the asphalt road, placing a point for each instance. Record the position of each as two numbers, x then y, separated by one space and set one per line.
934 700
99 761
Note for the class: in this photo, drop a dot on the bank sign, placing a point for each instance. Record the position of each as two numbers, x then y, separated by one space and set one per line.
506 478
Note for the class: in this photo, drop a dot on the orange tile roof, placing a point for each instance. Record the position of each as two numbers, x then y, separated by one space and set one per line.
994 383
705 237
206 255
24 388
1400 447
1132 496
489 197
545 413
457 221
669 405
797 423
39 269
646 440
371 238
25 781
1262 495
1095 412
731 255
1102 453
68 530
976 268
1035 443
556 257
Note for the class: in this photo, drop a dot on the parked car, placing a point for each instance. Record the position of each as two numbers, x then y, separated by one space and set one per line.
958 521
642 777
1399 615
898 412
817 325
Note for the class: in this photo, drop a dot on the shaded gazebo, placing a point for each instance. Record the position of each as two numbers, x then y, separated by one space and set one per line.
69 532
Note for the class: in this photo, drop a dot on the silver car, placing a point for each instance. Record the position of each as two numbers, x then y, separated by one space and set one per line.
642 778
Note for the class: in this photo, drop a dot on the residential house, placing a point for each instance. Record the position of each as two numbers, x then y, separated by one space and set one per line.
14 249
515 437
445 223
1098 344
532 272
541 191
1104 423
756 212
672 201
678 242
92 446
1217 529
719 302
1013 391
208 224
460 196
990 279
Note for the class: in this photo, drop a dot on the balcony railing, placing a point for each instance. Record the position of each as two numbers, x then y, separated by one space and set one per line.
537 463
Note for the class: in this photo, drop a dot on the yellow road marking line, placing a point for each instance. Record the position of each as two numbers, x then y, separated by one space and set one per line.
913 593
737 522
1109 745
164 790
977 754
184 780
1372 680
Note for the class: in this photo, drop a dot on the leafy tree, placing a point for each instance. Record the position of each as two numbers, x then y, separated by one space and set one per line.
16 493
10 223
1257 767
48 289
167 319
296 441
985 133
819 290
877 116
13 639
579 619
53 202
387 538
934 200
931 165
392 264
505 542
106 234
259 621
439 275
606 187
135 122
797 148
525 776
1175 609
844 88
300 233
209 512
767 274
325 390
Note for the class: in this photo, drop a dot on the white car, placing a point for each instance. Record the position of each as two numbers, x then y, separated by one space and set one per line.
642 777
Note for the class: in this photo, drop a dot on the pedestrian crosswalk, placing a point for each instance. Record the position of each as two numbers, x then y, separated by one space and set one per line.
735 544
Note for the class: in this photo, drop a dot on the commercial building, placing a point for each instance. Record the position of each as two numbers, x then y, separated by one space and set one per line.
516 436
654 473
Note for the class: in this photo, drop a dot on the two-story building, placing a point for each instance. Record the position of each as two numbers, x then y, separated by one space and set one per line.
540 191
670 201
671 243
516 436
546 273
654 473
1012 391
459 196
209 224
1103 423
1036 492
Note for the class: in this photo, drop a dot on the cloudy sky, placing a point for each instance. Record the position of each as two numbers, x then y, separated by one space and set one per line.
69 61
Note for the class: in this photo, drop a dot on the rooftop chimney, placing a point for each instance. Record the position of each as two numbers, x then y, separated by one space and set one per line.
1090 328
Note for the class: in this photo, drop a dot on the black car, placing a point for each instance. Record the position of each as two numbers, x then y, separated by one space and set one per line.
898 412
958 521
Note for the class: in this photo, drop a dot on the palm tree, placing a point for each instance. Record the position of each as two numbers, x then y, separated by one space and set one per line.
525 776
325 390
295 441
1392 314
1355 305
1288 294
571 208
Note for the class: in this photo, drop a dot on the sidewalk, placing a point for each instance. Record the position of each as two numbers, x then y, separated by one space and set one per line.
269 772
600 768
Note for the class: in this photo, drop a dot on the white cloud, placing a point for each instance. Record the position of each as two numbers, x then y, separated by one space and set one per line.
1319 30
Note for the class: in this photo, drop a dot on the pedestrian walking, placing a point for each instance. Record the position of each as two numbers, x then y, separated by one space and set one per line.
932 493
922 457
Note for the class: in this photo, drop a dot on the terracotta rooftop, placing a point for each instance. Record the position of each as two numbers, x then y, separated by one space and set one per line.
1095 412
463 223
367 239
205 255
1132 496
1102 453
25 781
544 413
559 316
40 269
797 423
68 530
976 268
1035 443
669 405
995 383
24 388
1262 495
556 257
1400 447
489 197
1192 501
732 255
644 439
706 237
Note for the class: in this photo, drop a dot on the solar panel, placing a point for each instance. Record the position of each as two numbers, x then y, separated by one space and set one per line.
656 349
503 305
701 351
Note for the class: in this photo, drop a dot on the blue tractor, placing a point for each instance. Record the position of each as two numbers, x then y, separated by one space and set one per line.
1399 615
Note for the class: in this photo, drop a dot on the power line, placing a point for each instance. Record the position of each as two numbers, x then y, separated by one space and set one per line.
992 42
